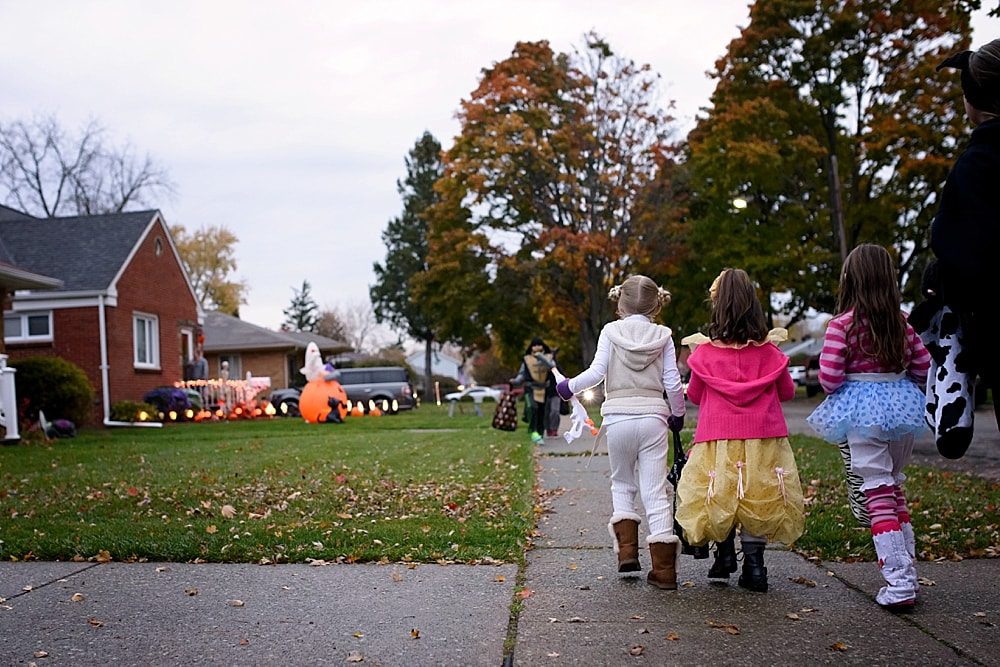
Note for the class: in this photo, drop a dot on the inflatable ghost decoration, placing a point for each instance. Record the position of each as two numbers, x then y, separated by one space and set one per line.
314 363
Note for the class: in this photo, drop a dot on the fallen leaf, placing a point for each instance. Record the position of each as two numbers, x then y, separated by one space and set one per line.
211 530
235 603
76 597
41 654
728 627
27 589
635 617
576 619
103 556
687 584
924 581
794 617
244 642
354 656
162 569
572 566
191 591
839 646
415 633
525 593
500 578
228 511
552 654
94 622
980 614
396 576
636 650
643 631
803 581
673 636
345 515
806 610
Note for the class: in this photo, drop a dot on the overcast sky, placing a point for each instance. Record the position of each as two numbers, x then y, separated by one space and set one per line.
288 122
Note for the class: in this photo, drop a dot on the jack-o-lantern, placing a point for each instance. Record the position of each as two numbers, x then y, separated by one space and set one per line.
318 396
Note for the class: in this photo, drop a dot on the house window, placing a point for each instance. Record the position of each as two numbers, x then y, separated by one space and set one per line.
158 246
27 327
146 329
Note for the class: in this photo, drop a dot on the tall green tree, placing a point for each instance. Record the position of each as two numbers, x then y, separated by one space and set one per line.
831 124
406 242
302 313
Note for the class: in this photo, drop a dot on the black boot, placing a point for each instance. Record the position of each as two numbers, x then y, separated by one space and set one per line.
725 558
754 575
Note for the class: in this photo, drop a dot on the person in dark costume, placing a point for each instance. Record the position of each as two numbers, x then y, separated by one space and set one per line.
958 319
536 371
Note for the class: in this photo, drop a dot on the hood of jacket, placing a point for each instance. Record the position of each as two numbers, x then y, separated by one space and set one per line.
740 375
638 341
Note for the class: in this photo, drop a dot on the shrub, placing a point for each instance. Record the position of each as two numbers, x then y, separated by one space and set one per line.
165 399
128 411
57 387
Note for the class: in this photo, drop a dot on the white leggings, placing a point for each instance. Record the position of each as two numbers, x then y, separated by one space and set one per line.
878 460
641 441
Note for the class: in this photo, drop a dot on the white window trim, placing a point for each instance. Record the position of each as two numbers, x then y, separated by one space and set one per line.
154 342
25 337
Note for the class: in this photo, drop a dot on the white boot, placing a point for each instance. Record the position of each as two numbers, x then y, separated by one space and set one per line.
909 539
897 570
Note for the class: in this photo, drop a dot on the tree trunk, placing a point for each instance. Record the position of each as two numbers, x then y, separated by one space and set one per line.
428 372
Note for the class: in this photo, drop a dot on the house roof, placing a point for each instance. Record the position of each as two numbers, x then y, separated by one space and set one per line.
12 275
8 213
85 252
225 333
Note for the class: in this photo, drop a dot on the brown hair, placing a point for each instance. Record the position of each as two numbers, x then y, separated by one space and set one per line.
868 285
737 316
639 295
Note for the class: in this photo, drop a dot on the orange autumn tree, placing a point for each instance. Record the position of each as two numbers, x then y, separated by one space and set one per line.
547 189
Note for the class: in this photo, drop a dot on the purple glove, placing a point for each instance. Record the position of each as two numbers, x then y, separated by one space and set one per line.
564 391
675 424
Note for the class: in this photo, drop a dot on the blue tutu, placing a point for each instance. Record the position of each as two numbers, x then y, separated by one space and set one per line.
883 408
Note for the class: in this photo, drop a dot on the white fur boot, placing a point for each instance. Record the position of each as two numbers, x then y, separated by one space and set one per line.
897 570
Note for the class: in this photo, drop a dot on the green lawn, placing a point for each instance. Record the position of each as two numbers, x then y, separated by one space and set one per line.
417 486
954 515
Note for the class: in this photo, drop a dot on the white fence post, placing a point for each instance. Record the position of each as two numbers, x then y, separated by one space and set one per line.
8 400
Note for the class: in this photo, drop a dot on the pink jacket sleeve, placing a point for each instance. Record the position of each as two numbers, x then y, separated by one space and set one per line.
696 387
786 387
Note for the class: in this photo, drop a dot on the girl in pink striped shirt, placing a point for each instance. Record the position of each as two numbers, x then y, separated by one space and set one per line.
872 366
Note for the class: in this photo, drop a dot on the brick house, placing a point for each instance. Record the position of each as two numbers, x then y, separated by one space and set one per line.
125 312
264 353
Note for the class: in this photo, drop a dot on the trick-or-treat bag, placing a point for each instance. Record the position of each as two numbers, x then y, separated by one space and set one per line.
505 417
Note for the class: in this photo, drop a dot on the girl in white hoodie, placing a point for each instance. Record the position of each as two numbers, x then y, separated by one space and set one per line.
635 358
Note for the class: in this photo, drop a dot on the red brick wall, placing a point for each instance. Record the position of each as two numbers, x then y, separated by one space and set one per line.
153 285
269 363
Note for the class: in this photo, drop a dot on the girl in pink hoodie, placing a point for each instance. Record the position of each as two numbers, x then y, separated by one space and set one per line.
741 470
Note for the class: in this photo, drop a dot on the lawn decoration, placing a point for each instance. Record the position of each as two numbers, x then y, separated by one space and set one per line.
323 399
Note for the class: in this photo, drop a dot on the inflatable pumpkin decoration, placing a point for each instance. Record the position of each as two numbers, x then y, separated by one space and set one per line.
319 398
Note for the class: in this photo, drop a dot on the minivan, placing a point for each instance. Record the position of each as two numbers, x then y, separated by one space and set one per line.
388 386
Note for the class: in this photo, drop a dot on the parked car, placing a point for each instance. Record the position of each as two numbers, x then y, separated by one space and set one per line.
811 380
477 394
286 401
388 386
798 374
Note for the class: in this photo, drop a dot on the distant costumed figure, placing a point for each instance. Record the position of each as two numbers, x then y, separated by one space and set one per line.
323 399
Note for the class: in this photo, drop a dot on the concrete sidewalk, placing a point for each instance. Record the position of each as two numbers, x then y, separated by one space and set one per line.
581 611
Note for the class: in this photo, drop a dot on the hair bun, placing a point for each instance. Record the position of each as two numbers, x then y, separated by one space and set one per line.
615 293
663 296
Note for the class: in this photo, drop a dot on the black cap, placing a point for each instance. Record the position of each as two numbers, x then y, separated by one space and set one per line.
982 97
